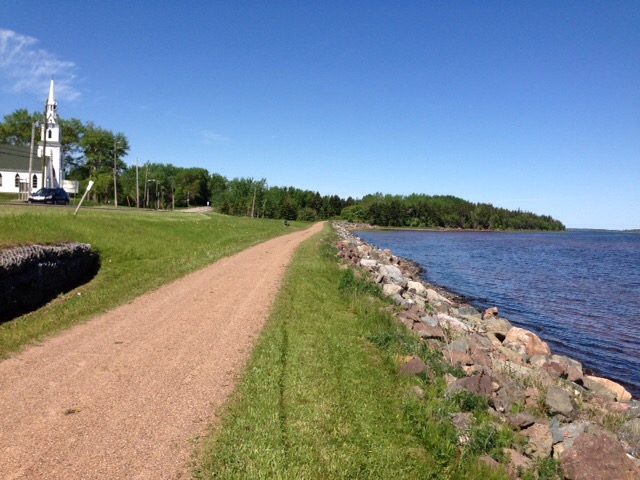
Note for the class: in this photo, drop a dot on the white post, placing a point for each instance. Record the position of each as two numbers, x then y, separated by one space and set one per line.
83 195
33 136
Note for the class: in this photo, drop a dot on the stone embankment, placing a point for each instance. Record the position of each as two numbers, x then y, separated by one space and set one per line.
31 275
591 425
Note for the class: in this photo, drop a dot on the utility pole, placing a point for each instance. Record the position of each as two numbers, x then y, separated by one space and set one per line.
146 186
115 186
253 204
137 187
33 137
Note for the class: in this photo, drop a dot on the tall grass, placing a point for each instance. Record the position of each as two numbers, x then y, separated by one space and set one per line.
139 251
319 399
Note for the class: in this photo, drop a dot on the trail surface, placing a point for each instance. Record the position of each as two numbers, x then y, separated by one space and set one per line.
123 396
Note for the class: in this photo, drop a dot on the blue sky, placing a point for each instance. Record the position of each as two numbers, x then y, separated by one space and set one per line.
531 105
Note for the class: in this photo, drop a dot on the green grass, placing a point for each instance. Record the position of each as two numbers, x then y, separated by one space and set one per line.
321 396
8 197
139 250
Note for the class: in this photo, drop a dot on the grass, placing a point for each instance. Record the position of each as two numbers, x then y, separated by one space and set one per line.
8 197
321 396
139 250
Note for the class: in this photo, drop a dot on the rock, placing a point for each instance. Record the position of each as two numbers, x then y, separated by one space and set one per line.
417 392
480 384
393 274
447 321
572 368
460 358
479 356
490 313
538 360
532 343
426 331
364 249
390 289
597 457
556 434
629 431
462 421
521 420
560 402
459 345
409 315
413 366
570 432
510 393
497 325
482 341
417 288
369 263
540 441
532 396
397 298
517 463
466 310
488 461
606 388
430 320
554 369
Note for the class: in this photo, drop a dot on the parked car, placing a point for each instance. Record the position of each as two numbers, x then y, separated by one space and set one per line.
50 195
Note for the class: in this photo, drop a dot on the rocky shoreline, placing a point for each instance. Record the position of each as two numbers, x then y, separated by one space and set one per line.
590 424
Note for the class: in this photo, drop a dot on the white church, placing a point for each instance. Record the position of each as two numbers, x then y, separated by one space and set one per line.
22 172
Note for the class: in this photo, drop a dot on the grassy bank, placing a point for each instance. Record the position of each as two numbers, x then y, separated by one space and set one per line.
138 250
322 398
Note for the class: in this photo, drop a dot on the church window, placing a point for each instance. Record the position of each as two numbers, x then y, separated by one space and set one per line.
17 180
0 179
34 182
49 133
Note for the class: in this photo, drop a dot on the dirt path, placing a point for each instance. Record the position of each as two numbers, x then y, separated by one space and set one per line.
123 395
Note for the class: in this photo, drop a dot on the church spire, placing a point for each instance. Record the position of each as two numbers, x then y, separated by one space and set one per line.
52 105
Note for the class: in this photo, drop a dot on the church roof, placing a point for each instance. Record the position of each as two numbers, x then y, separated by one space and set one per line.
15 158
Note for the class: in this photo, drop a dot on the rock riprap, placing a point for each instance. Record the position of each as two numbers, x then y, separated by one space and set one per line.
567 410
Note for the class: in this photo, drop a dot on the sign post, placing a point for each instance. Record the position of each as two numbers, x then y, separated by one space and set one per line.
83 195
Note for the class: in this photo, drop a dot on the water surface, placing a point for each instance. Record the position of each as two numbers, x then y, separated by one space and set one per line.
578 290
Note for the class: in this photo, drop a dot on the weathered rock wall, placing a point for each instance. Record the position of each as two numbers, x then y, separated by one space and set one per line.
32 275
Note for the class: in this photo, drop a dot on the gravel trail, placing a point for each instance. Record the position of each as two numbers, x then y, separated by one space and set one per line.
124 395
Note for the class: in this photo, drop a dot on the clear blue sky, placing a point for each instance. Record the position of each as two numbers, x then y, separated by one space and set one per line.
532 105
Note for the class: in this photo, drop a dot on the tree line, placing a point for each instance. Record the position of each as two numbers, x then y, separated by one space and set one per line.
90 152
443 211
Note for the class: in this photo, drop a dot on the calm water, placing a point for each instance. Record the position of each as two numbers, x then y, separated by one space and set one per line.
579 291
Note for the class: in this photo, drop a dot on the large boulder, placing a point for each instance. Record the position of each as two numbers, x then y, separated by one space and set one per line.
597 457
606 388
393 275
529 340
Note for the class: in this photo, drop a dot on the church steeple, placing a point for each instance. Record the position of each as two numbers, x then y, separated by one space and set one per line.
52 105
50 137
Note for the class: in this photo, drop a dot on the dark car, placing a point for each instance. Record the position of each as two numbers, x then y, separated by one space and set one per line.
50 195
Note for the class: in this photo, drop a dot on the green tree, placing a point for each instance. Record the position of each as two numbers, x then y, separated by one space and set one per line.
15 128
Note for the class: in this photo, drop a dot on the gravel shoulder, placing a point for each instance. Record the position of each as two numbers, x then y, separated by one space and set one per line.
124 395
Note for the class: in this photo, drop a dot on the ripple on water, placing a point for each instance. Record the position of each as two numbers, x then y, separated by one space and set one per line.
579 291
